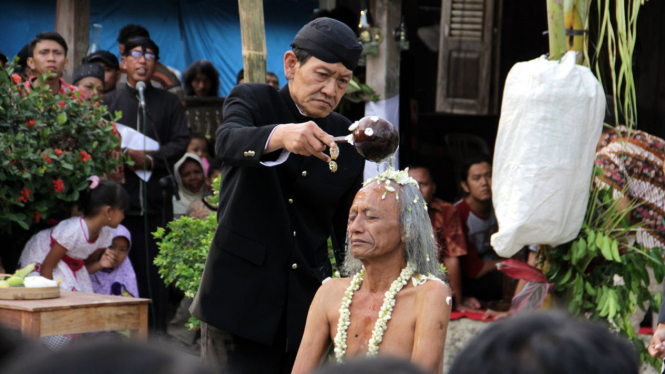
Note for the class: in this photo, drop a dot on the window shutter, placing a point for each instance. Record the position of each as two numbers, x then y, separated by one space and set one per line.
465 56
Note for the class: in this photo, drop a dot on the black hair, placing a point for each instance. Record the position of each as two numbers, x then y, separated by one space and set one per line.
132 31
215 164
3 58
546 343
301 55
197 135
348 17
378 365
464 171
106 193
240 76
206 68
421 166
271 73
48 35
127 357
23 62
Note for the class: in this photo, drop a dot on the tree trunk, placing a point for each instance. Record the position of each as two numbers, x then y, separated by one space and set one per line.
72 22
253 40
555 26
575 16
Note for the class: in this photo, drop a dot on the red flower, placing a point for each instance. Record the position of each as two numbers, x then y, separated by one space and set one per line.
58 186
61 104
22 199
47 158
37 216
10 151
96 103
84 156
25 192
115 129
31 123
57 152
16 78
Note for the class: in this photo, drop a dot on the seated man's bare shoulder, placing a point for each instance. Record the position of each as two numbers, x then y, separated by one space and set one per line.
432 294
332 291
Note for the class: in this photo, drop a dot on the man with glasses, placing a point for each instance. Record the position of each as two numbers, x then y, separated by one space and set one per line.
163 77
167 124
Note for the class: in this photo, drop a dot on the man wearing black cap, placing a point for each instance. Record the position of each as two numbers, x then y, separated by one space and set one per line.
167 125
89 78
163 77
277 206
109 63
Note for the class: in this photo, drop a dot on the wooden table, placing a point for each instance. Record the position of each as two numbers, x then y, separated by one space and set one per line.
76 313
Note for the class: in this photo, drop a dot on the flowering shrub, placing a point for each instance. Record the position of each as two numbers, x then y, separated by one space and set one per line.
49 146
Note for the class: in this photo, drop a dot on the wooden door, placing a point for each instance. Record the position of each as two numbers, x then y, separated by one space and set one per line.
465 56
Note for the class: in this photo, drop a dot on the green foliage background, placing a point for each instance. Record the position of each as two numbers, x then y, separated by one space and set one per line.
602 274
34 128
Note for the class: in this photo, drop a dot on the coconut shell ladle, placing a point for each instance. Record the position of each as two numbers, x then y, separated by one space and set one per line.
374 138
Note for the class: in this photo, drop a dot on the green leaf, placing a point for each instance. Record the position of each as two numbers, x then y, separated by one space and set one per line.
614 247
62 118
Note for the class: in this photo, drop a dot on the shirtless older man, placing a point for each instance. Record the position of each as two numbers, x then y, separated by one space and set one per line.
391 255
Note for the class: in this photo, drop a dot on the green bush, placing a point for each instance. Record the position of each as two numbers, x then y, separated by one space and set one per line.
49 146
183 249
586 271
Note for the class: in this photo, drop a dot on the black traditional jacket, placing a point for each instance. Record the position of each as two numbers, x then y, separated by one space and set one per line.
167 124
269 254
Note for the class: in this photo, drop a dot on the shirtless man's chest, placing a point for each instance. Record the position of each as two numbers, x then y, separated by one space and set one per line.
365 307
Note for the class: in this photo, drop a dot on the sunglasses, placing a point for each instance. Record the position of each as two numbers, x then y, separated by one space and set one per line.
148 56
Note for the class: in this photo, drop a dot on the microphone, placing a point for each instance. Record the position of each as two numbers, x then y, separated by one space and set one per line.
140 86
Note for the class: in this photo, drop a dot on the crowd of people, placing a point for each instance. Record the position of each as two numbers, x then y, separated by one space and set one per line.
266 301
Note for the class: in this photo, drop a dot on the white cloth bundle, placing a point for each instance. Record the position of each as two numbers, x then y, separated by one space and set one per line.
551 119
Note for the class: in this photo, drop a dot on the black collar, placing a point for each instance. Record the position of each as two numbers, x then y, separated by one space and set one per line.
148 87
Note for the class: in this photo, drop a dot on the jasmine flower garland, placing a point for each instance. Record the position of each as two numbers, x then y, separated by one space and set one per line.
384 314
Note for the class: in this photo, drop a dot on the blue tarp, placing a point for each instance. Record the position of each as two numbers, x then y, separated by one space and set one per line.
184 30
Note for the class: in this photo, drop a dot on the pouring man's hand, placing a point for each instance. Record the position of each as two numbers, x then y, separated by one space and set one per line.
657 347
305 139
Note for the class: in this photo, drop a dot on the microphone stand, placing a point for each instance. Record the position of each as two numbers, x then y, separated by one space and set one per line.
142 127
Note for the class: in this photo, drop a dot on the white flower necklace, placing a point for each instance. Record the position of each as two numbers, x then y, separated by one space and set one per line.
384 314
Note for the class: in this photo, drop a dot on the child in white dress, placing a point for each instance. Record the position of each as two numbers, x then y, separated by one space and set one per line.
61 251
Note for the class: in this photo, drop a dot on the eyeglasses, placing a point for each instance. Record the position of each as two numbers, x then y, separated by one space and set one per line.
148 56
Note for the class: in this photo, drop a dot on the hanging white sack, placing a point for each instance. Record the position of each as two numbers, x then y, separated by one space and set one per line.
551 119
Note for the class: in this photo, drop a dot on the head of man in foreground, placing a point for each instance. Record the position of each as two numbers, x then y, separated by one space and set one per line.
394 304
546 343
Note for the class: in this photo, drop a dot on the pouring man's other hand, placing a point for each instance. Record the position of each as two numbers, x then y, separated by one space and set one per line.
657 346
305 139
